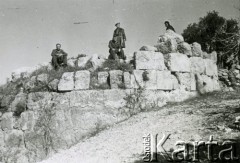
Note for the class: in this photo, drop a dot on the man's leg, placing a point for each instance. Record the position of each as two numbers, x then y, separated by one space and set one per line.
121 55
113 54
64 60
55 61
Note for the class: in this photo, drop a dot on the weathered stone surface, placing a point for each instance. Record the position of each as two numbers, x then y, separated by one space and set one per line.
82 61
19 103
149 60
116 78
53 85
174 36
193 82
166 81
212 56
185 80
14 138
169 46
96 61
152 79
138 75
179 62
184 48
197 65
102 77
180 94
148 48
66 82
196 50
27 120
129 80
38 100
6 101
71 62
30 84
114 99
7 121
82 80
210 68
206 84
85 99
42 78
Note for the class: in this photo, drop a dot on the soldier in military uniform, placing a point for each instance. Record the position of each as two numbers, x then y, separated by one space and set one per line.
115 50
120 34
59 57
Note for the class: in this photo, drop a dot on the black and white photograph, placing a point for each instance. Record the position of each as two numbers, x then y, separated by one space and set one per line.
119 81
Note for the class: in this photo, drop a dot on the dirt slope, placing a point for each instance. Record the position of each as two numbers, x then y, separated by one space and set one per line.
195 119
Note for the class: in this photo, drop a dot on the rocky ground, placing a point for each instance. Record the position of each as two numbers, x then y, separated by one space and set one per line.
192 120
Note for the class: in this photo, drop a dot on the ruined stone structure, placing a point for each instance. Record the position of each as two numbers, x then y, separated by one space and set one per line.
172 71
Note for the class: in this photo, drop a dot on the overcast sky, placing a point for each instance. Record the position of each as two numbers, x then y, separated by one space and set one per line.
29 29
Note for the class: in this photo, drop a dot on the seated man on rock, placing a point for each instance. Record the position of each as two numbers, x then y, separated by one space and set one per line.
115 50
168 26
59 57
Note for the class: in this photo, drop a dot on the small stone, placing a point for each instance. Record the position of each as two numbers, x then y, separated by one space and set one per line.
196 50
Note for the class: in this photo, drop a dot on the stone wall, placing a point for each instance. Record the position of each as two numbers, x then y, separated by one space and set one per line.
172 71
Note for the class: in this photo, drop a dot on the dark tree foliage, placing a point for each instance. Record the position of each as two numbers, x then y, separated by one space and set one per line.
215 33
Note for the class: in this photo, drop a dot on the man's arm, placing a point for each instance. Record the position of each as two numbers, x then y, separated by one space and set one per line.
124 36
53 53
64 53
110 45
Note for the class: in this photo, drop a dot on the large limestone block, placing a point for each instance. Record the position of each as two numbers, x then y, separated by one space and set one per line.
129 80
82 80
7 121
166 81
178 62
210 68
196 50
185 80
148 48
103 77
66 82
207 84
116 78
197 65
138 75
96 61
151 83
149 60
184 48
85 99
114 99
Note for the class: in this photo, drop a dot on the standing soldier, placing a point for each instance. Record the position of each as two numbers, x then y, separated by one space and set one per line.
120 34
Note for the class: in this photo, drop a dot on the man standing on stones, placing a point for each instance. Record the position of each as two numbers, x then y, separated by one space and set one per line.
115 50
168 26
120 34
59 57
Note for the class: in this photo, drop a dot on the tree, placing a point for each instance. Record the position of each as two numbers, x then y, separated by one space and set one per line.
215 33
